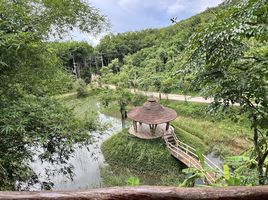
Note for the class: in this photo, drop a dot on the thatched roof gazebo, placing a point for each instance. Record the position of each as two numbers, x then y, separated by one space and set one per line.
150 120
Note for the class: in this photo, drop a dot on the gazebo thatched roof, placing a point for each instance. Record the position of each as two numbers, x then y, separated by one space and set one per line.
152 113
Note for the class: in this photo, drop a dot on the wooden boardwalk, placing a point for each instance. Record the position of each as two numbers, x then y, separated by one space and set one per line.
187 155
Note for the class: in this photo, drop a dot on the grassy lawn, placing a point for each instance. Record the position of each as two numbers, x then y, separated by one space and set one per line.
222 138
218 134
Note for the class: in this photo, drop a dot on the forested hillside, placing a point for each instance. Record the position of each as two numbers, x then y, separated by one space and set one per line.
151 57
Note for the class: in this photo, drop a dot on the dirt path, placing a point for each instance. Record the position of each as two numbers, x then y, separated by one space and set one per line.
175 97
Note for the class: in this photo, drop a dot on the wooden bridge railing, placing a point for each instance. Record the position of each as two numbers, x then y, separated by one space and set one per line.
147 193
188 156
192 151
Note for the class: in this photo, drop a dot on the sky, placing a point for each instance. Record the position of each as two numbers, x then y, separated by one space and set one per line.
133 15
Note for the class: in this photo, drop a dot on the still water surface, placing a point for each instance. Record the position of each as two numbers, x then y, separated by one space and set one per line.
87 164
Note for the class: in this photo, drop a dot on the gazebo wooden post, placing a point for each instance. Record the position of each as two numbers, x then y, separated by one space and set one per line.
155 128
135 126
151 126
167 126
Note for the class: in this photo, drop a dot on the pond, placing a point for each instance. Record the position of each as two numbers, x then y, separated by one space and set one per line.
87 164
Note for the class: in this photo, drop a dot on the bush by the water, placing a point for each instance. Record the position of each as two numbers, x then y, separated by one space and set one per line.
81 88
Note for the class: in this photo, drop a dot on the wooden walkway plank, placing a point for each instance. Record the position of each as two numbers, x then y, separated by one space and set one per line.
186 154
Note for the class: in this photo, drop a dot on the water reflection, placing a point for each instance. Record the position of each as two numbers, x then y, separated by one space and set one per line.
87 164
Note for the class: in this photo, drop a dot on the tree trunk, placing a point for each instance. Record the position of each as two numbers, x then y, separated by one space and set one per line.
123 117
185 98
160 97
258 150
266 174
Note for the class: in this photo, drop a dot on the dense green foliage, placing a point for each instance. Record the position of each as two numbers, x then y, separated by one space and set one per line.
75 57
32 122
122 44
81 88
149 67
229 61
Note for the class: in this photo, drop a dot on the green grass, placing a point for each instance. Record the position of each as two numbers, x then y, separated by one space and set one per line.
189 138
218 134
111 110
189 109
117 176
223 138
140 158
81 106
135 153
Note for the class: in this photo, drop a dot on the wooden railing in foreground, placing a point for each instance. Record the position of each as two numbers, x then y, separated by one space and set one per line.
147 193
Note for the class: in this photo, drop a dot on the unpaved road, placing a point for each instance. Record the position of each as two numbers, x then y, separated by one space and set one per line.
175 97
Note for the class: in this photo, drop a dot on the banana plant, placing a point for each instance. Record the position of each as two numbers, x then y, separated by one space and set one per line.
197 174
133 181
230 180
245 169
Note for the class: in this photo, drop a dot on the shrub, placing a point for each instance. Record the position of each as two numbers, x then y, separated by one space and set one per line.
81 88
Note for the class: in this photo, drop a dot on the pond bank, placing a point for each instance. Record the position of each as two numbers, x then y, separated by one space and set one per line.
88 160
149 160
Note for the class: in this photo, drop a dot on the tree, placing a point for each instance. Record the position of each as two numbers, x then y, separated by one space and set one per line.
81 88
114 66
229 62
166 86
75 56
30 118
121 96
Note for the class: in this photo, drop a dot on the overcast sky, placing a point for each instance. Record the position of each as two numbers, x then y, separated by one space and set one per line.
132 15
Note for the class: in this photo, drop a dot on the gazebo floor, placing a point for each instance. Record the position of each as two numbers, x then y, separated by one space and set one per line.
144 132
